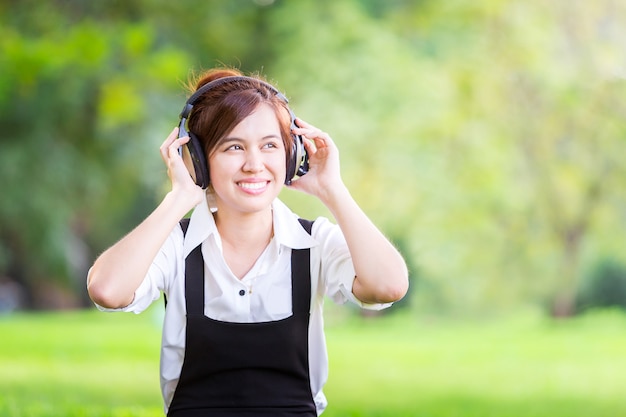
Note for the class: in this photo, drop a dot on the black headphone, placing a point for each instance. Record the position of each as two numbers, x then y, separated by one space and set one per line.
193 153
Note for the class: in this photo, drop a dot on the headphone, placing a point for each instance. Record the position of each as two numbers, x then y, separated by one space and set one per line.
193 152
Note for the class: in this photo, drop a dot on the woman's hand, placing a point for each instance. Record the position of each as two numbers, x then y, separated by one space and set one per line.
117 272
381 273
183 185
324 176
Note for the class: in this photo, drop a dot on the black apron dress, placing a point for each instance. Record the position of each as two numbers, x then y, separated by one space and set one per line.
246 369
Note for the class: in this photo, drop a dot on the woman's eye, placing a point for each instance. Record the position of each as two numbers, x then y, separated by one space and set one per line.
270 145
234 148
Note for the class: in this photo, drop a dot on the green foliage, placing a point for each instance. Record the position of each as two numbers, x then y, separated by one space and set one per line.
486 136
73 93
604 286
93 364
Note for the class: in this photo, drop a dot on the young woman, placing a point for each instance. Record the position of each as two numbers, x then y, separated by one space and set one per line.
245 283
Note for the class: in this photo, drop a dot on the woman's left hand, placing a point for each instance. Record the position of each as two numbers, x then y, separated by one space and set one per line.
381 273
324 174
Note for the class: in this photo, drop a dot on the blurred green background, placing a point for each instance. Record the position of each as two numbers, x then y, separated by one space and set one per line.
485 138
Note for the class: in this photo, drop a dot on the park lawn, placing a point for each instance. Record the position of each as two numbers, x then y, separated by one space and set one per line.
88 364
525 366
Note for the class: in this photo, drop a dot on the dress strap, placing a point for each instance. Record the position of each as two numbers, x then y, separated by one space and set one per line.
300 269
194 277
194 281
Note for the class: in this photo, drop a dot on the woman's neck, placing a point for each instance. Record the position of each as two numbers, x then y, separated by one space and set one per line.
245 229
244 238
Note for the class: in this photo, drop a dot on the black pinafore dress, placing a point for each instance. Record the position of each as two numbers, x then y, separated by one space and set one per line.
246 369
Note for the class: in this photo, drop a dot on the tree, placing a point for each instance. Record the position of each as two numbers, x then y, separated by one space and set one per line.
536 125
72 101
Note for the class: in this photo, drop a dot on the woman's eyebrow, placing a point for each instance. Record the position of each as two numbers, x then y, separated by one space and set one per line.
228 139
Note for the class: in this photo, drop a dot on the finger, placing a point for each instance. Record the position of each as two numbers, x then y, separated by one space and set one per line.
171 137
309 145
302 123
310 133
167 142
321 140
303 126
174 150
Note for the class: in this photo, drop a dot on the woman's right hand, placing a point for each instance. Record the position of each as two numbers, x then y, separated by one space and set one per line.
118 271
183 186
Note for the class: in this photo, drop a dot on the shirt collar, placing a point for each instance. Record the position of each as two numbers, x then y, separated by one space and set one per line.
201 226
287 230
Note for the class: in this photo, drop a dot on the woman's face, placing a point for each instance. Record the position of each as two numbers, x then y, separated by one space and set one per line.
247 167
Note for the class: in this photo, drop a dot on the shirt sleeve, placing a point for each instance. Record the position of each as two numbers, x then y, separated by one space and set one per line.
336 267
160 273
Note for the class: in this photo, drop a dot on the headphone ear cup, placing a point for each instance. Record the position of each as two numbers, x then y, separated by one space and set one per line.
197 161
291 162
302 161
298 164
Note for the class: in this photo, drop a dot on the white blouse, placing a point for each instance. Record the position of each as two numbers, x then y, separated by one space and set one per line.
264 294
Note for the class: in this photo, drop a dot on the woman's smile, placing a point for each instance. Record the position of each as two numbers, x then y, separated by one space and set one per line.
253 187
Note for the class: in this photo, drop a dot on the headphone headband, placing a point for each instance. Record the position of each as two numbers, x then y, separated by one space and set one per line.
224 80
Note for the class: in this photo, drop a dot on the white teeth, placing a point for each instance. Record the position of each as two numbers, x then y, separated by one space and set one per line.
252 185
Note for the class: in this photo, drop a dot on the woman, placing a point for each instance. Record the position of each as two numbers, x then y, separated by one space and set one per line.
245 283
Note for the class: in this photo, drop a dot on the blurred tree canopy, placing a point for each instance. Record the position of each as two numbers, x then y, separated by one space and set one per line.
484 138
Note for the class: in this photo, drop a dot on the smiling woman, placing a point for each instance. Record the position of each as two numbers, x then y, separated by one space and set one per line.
245 277
249 162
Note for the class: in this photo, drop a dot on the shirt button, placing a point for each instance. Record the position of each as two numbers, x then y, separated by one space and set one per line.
242 292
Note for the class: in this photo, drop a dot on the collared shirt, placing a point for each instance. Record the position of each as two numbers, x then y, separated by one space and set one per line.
263 294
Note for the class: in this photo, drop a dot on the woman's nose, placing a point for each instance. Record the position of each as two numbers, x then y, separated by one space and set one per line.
253 161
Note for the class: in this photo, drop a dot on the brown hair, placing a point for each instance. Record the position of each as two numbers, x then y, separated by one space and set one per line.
217 111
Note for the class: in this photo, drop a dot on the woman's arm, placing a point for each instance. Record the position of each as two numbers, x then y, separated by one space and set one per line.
118 271
381 273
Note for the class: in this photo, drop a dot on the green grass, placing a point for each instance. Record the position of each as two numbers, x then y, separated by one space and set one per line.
79 364
88 364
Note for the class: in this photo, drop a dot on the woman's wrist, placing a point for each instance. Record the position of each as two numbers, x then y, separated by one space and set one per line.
181 202
335 196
